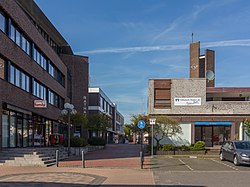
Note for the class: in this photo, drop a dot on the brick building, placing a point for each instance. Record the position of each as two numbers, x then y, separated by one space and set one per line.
36 63
208 113
100 103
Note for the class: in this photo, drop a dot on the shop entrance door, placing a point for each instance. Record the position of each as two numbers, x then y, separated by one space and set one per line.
39 131
207 134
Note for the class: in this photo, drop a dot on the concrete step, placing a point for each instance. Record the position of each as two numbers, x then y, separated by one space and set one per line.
31 156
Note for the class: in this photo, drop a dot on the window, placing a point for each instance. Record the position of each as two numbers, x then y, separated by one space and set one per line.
51 70
5 131
2 69
19 78
2 22
12 75
57 74
39 90
101 102
12 33
20 39
55 99
40 58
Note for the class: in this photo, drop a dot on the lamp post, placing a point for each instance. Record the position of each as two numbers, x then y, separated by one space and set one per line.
68 110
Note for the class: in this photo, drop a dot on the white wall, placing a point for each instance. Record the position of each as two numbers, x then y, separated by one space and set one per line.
180 139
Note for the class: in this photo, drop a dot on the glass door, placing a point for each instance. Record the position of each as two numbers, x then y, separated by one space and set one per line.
19 132
207 133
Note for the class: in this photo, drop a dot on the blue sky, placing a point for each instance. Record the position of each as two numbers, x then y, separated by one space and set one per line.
130 41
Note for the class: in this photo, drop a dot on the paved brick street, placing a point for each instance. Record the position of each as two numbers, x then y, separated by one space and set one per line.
118 164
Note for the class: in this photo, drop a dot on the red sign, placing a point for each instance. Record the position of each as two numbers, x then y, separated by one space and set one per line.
40 103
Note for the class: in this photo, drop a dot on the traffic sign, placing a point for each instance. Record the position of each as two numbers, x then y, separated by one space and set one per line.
141 124
152 121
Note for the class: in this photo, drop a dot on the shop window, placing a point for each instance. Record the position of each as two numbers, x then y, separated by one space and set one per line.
5 130
12 130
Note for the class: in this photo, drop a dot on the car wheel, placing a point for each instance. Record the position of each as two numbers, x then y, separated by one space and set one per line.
222 157
236 160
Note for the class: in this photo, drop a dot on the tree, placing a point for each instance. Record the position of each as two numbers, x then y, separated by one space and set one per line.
246 125
134 123
165 127
128 130
99 123
77 119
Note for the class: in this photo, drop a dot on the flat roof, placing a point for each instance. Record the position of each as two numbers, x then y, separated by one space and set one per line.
32 9
228 89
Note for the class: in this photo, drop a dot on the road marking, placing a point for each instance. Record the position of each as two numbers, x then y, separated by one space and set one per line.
225 164
186 165
192 156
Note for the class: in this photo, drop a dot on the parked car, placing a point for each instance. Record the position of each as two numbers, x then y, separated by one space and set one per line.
236 151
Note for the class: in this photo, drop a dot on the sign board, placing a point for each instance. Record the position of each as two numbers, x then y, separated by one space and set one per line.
40 103
152 121
187 101
141 124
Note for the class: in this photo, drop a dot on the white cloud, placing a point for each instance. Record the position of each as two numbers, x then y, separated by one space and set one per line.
227 43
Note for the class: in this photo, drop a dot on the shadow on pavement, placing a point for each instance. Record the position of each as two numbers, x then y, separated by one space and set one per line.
112 151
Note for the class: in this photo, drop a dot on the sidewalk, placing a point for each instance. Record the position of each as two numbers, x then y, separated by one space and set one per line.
118 164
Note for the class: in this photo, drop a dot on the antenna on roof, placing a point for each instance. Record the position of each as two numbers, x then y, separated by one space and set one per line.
209 75
192 37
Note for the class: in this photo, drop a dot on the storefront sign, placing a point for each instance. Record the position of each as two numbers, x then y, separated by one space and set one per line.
187 101
40 103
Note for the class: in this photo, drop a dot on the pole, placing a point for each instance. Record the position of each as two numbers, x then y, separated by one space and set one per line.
57 157
68 132
141 152
152 142
83 160
141 141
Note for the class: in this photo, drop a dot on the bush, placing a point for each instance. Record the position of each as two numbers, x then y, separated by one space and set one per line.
97 141
75 142
167 147
184 148
200 145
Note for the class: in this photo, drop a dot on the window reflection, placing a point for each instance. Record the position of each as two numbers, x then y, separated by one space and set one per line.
2 22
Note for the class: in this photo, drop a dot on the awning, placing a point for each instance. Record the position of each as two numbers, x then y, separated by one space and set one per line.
213 123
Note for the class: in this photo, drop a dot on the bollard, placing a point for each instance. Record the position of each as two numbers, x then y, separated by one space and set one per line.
83 160
142 159
57 157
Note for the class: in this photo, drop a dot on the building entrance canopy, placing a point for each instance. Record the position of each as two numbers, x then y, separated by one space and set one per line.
213 123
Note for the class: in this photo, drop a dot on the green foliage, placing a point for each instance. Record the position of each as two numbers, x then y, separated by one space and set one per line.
184 148
167 147
75 142
99 122
200 145
246 125
134 122
97 141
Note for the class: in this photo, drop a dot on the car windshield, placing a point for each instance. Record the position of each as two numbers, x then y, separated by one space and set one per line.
242 145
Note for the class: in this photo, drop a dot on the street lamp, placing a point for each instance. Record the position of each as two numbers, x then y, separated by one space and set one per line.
68 110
